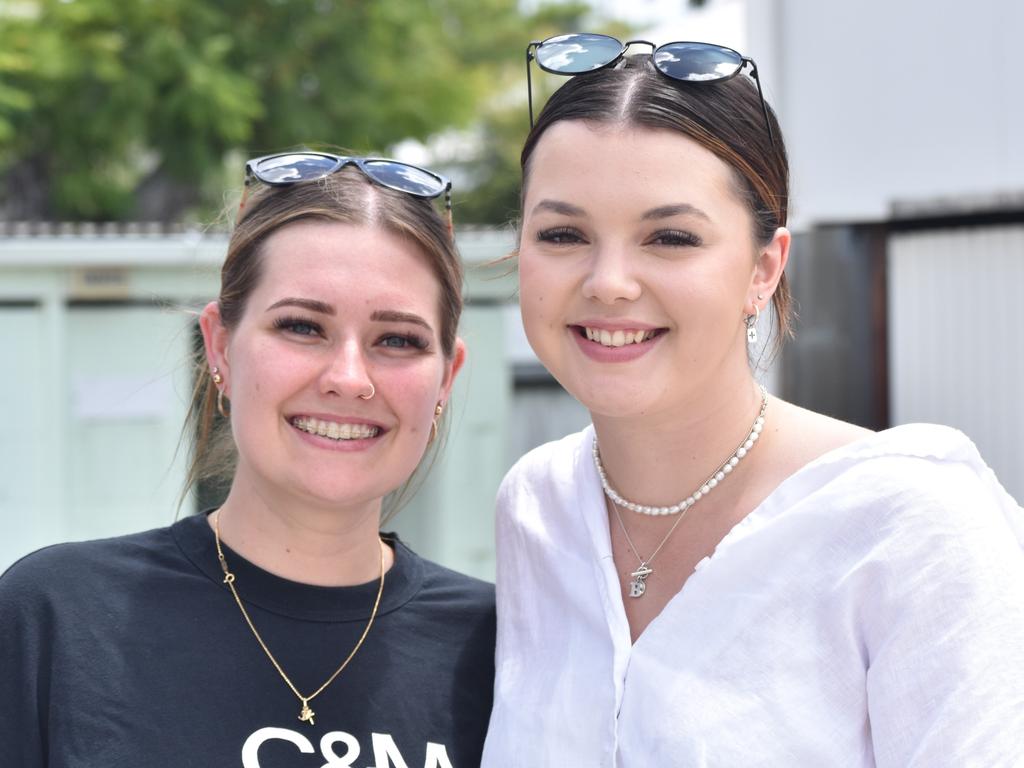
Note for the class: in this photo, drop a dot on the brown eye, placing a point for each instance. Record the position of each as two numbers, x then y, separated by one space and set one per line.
560 236
676 237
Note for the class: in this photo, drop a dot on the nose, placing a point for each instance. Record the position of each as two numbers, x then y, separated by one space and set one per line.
346 373
611 277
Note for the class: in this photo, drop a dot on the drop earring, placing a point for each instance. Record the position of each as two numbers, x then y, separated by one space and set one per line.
438 410
752 326
218 380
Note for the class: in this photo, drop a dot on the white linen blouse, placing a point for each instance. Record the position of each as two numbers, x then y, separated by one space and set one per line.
870 612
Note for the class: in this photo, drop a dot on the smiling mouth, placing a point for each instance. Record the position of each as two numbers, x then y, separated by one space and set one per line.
334 430
620 338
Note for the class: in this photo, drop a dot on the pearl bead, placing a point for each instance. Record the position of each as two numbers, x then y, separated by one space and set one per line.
711 483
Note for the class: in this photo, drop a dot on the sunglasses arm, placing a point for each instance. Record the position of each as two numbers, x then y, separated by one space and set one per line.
529 81
448 212
760 93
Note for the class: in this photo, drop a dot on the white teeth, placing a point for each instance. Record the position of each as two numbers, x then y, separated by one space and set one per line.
617 338
335 430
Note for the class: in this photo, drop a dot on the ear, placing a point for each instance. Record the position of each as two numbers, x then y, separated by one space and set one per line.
215 340
452 369
768 269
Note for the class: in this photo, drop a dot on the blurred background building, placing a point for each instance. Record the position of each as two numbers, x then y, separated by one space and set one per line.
902 120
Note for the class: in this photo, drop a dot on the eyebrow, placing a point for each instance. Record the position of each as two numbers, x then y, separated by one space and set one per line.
661 212
380 315
558 206
668 211
311 304
392 316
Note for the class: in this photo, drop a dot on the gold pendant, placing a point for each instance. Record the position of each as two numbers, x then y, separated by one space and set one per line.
307 714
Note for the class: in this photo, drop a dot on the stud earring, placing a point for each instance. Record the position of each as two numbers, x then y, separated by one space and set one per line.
215 374
438 410
752 325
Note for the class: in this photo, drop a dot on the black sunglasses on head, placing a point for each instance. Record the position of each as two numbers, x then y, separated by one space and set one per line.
287 168
578 53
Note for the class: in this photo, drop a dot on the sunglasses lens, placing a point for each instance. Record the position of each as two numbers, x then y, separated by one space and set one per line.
295 167
697 61
407 178
574 54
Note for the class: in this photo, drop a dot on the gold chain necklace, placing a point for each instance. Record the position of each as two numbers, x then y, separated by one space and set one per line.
307 714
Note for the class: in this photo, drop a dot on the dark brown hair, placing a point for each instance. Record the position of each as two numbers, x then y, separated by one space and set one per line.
724 117
346 197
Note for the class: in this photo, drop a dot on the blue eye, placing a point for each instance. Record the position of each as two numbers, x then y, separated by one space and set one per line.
403 341
298 326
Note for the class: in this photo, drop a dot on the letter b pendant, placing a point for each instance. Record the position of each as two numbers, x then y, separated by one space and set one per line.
638 585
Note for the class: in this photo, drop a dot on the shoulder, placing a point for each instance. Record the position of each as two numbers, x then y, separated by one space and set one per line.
443 585
548 467
910 483
75 567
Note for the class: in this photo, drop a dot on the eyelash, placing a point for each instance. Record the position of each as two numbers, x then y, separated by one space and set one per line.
560 236
410 339
676 237
570 236
291 324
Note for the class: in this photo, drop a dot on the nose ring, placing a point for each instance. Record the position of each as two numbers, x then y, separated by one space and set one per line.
373 391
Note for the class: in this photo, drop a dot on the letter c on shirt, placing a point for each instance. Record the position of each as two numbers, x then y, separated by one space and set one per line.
250 758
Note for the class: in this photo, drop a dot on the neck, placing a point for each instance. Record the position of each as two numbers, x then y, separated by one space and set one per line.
660 459
324 546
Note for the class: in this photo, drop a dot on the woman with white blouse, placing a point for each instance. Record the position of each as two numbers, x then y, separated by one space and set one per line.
708 575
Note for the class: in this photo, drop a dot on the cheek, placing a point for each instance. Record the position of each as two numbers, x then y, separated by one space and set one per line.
413 392
536 288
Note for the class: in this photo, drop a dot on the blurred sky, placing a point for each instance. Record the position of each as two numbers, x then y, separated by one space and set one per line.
662 21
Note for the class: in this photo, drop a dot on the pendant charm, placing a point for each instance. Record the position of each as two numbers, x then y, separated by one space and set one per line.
307 714
638 585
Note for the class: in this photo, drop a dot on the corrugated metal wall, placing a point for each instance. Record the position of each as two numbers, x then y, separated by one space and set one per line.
956 338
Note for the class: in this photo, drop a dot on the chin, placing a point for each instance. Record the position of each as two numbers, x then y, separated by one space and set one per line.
611 397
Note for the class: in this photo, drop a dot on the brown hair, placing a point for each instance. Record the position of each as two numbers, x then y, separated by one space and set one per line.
724 117
346 197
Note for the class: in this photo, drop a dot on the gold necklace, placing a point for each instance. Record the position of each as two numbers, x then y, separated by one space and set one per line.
307 714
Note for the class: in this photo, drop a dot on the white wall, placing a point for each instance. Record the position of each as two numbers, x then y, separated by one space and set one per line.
955 351
885 100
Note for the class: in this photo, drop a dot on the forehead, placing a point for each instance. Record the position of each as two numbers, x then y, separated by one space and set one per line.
626 166
348 264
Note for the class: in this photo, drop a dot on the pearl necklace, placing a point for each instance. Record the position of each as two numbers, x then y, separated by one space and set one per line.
705 488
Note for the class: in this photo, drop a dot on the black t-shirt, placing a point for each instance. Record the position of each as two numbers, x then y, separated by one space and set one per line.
132 652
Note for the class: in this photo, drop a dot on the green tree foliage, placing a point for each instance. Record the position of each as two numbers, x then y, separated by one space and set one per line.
126 108
492 170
